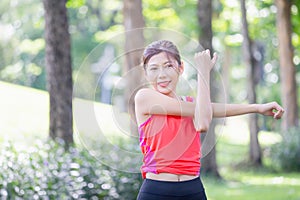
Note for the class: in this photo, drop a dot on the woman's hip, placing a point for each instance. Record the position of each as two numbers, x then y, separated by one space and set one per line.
155 189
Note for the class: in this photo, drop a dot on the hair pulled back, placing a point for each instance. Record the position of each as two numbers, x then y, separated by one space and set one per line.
160 46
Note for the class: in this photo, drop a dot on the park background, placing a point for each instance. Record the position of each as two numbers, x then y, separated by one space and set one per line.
61 139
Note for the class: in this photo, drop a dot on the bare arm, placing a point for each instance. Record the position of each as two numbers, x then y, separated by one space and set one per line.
227 110
149 101
203 109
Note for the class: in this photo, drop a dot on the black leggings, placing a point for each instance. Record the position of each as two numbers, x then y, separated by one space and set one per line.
165 190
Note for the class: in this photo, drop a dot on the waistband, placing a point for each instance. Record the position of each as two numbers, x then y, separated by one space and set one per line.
170 177
167 188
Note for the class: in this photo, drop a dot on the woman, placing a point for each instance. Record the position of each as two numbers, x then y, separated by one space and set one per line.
170 125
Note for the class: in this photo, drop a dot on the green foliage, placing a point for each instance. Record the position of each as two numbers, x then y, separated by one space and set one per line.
286 154
22 46
75 3
296 16
48 171
177 15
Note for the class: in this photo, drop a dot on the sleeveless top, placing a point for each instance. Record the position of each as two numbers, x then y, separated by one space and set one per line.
170 144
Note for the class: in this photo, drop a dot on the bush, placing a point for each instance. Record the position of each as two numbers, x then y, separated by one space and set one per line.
48 171
286 154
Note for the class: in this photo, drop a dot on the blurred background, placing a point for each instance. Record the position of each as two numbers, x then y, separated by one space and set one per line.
69 71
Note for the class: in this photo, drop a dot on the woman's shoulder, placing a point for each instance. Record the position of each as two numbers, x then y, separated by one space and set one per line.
144 90
144 93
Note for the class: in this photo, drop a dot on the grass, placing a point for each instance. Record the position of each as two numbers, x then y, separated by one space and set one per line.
250 183
24 117
23 113
254 186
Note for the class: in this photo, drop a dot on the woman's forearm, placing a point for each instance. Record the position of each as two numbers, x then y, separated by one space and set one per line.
203 109
228 110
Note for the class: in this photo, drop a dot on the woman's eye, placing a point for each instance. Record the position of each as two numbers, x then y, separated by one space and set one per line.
170 66
153 68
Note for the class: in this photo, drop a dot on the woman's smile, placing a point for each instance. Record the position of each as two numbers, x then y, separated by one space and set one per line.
164 83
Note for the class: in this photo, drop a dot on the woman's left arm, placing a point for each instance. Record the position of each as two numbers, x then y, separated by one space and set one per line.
227 110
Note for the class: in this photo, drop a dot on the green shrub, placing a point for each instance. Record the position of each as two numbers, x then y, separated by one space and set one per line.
48 171
286 154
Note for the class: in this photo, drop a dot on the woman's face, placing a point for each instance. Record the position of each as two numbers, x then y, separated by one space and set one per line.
162 72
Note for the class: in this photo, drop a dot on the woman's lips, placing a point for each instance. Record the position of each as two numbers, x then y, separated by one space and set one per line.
164 83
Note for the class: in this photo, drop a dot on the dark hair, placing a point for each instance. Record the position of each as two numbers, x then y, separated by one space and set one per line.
160 46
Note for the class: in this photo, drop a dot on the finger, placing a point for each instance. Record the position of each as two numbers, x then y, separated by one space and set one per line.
207 51
199 53
277 106
275 115
215 58
278 114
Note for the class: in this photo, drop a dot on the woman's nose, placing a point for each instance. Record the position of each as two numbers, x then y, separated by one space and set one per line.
162 72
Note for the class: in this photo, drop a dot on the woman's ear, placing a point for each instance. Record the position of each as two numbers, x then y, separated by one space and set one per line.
181 68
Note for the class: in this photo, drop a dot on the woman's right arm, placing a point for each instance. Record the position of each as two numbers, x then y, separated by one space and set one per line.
149 101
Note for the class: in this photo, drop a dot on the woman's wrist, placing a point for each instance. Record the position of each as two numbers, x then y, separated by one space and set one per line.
256 108
204 74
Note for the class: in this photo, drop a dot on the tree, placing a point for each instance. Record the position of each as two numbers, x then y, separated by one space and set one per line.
134 45
204 8
287 68
58 69
255 150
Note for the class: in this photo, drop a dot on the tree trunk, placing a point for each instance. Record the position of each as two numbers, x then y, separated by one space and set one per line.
209 163
58 69
134 46
287 68
255 150
226 73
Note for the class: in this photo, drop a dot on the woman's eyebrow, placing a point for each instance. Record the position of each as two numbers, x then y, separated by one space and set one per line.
157 65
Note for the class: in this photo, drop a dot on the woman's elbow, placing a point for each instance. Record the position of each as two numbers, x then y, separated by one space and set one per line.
202 126
203 120
202 129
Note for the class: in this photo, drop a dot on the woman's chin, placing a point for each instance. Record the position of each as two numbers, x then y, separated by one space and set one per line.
165 91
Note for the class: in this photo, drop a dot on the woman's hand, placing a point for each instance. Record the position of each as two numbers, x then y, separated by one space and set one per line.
204 62
271 109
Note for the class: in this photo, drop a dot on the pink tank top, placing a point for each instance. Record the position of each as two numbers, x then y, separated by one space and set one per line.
170 144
